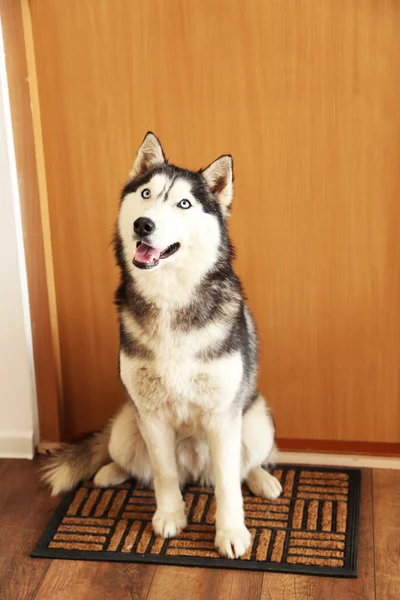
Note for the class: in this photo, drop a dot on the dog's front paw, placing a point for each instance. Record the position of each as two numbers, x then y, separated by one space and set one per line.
233 542
169 524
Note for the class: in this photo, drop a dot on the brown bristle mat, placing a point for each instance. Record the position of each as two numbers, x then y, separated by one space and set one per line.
311 529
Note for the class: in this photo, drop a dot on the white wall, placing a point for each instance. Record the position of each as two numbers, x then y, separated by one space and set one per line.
18 408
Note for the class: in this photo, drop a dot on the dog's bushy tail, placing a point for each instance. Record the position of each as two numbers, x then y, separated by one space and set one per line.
72 463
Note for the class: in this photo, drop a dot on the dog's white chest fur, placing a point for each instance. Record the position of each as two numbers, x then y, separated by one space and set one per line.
172 380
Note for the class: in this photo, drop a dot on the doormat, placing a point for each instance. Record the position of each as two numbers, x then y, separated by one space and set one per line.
311 529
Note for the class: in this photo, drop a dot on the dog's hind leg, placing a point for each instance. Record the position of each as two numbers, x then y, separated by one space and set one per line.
263 484
111 474
258 433
127 450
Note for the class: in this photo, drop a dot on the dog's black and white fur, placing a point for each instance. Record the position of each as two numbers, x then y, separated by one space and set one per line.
188 356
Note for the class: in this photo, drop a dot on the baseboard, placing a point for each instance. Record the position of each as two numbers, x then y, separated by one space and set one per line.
305 458
339 447
47 447
337 460
17 444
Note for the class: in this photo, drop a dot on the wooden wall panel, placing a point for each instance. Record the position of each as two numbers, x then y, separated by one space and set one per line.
304 94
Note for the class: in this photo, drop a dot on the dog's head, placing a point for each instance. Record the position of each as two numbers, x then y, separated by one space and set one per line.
171 217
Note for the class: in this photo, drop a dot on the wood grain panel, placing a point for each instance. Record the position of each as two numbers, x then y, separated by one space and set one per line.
303 94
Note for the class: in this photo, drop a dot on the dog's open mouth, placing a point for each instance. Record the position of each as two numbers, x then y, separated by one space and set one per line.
147 257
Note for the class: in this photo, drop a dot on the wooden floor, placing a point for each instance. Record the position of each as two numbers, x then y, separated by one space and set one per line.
25 509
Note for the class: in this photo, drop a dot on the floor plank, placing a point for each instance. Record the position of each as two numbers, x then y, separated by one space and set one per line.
66 580
386 498
184 583
277 586
82 580
25 509
4 462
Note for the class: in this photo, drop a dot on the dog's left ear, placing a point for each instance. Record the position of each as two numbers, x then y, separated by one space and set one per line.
219 177
150 154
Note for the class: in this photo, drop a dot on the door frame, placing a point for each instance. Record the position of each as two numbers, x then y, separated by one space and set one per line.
26 127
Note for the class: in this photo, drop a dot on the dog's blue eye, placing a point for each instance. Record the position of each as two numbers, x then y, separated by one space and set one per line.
184 204
146 194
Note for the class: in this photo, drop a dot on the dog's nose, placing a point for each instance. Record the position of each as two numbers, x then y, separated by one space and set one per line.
143 226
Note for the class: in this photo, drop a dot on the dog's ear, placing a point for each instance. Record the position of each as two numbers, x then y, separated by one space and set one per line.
219 177
150 154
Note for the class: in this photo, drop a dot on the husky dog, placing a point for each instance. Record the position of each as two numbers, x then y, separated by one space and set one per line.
188 357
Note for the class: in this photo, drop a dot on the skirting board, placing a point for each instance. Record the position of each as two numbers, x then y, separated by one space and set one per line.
305 458
17 444
337 460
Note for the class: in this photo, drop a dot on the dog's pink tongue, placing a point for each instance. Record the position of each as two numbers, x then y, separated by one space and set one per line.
145 253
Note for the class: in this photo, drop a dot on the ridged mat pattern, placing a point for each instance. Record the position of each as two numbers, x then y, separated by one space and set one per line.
312 528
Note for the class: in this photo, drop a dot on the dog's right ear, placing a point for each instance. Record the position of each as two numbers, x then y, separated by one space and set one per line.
150 154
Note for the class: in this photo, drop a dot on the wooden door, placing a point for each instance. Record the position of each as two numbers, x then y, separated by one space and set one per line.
305 95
